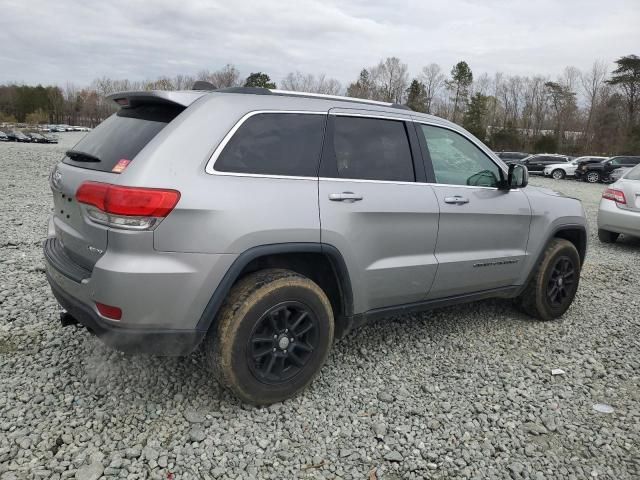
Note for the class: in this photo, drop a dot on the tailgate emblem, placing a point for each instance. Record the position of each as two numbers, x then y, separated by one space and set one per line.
56 179
95 250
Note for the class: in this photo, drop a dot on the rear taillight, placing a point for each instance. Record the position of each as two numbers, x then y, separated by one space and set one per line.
615 195
134 208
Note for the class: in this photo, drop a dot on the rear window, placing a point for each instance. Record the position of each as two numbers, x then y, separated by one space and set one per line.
121 136
286 144
633 174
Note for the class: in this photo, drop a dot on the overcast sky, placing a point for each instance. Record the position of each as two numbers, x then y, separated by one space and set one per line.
55 41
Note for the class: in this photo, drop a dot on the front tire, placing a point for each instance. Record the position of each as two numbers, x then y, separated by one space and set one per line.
274 333
558 174
592 177
550 292
605 236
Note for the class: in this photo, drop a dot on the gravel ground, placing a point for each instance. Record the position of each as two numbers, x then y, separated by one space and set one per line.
463 392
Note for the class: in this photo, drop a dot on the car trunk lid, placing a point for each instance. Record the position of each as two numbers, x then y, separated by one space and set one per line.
631 190
101 156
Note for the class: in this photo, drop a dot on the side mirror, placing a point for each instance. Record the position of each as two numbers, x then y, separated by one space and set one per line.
518 176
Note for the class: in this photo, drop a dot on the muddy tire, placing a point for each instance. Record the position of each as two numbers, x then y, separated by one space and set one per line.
554 284
272 336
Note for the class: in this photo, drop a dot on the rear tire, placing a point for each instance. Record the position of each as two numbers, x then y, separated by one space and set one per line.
550 292
558 174
593 177
605 236
274 333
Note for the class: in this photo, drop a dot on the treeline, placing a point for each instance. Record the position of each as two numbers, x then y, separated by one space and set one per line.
593 111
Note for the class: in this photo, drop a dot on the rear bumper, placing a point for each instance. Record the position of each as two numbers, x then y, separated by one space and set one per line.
162 295
131 340
618 220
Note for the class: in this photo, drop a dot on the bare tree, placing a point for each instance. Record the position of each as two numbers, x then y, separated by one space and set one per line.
227 76
433 79
592 82
391 79
300 82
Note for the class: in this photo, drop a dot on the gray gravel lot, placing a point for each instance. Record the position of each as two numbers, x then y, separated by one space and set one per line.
463 392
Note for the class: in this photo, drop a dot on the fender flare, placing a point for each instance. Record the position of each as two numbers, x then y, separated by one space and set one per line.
233 273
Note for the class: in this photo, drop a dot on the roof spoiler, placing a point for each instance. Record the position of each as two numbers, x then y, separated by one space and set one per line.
133 99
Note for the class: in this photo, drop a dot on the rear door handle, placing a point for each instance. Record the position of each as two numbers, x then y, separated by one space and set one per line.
456 200
345 197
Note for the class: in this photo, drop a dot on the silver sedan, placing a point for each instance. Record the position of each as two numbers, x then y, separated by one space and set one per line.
620 208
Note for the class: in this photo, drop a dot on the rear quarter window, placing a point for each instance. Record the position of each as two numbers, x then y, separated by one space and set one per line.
287 144
121 136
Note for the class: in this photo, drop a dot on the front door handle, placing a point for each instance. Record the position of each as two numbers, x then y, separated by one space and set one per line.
456 200
345 197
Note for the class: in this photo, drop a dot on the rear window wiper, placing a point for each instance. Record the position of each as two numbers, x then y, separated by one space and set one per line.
82 156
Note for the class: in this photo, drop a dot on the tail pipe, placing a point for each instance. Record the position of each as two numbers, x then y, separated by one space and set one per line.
66 319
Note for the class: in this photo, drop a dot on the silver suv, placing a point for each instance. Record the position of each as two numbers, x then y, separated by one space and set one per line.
264 224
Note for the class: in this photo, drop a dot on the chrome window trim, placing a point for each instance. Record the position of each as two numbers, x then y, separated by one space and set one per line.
394 182
382 116
210 167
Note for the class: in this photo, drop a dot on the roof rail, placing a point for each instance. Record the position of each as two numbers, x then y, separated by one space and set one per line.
202 85
338 97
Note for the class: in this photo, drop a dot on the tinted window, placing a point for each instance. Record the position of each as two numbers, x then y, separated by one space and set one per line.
275 144
457 161
121 136
372 149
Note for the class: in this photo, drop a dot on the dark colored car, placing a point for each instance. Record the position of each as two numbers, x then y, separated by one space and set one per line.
50 138
37 138
600 172
16 136
512 157
537 163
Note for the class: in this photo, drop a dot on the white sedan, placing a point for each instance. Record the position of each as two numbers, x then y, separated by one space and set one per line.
559 171
619 210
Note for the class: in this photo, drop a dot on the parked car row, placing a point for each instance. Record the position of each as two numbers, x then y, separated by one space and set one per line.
30 137
592 169
63 128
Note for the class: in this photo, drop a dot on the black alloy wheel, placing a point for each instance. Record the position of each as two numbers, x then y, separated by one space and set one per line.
282 342
561 280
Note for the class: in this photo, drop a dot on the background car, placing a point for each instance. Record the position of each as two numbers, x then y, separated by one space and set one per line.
50 138
36 138
17 136
618 173
3 137
568 169
599 172
619 210
537 163
512 157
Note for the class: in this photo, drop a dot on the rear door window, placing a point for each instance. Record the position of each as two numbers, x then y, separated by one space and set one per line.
121 136
372 149
287 144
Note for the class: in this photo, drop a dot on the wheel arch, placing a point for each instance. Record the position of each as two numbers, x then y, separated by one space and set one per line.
320 262
574 233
